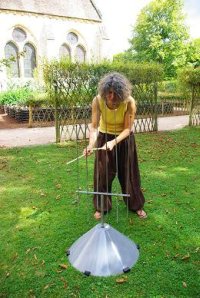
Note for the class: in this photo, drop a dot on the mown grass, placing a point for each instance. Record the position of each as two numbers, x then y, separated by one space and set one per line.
41 216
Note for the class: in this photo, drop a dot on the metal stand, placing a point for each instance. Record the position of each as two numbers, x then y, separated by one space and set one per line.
103 251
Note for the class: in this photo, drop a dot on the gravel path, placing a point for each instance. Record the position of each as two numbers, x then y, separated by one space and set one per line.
22 136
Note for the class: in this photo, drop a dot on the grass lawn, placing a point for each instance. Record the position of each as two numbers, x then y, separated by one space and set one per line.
41 216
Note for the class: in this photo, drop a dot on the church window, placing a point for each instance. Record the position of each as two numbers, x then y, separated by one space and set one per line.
65 51
11 52
29 60
72 38
80 54
19 35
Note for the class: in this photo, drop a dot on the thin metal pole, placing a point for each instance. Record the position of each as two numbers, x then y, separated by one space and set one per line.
128 164
102 212
106 153
86 162
116 162
104 193
80 156
97 155
77 166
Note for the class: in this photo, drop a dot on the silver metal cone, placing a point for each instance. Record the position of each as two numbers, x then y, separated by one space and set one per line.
103 251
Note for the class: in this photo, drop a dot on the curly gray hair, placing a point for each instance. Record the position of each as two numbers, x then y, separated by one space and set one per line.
118 82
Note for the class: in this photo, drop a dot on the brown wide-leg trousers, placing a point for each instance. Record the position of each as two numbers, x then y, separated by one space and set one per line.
123 161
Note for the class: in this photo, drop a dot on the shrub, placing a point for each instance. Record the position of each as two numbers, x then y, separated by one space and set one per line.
15 96
24 96
74 84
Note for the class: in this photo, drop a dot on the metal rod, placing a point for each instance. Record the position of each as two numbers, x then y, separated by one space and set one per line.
106 165
75 159
116 161
102 212
86 159
86 163
77 166
71 161
128 164
97 154
103 193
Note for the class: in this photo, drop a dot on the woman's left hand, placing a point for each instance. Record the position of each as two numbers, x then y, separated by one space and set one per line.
109 145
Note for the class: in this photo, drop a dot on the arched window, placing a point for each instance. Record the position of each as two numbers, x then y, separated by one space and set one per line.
64 52
80 54
29 60
11 51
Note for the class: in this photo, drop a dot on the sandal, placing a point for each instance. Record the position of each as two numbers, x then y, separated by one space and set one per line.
97 215
141 213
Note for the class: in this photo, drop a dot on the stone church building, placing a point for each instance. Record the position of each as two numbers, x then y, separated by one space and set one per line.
31 30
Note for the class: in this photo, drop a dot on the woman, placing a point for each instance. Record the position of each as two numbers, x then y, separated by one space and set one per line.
113 113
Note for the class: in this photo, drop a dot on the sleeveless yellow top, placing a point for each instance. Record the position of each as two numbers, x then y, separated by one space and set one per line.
112 121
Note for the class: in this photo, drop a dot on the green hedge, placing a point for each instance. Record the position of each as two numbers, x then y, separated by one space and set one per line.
77 83
136 73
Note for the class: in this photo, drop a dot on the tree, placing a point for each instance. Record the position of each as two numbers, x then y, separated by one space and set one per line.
124 57
161 36
194 53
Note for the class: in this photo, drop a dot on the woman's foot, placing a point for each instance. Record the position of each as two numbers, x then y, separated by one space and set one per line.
141 213
97 215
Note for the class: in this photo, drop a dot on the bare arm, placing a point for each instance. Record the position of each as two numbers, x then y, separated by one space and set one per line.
128 120
128 123
93 126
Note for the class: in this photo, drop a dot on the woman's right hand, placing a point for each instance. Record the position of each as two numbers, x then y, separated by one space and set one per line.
88 150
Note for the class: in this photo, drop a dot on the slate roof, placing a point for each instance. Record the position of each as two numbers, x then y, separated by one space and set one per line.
82 9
